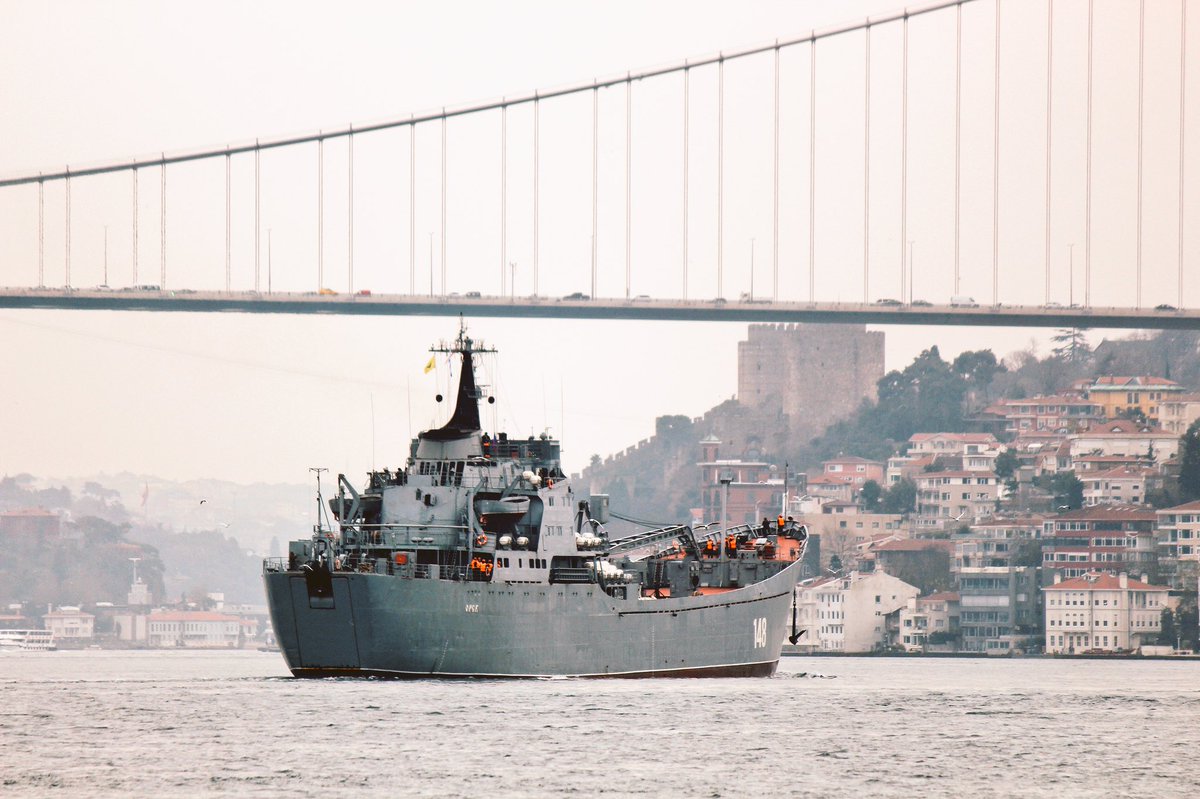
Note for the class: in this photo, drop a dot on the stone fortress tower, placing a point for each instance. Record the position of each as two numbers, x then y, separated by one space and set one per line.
810 375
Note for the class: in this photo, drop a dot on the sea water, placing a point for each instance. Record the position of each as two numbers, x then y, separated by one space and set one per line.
234 724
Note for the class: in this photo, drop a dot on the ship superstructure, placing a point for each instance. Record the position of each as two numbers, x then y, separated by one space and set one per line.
478 558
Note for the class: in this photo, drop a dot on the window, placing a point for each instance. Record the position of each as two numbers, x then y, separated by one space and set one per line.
877 598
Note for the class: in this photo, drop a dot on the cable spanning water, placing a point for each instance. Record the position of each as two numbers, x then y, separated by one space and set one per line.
192 724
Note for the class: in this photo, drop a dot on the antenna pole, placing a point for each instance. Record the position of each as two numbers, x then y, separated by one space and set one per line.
318 470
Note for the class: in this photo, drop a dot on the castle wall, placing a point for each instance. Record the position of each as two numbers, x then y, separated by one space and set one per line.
814 375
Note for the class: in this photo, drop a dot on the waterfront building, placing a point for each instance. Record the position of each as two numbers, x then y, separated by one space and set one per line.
1178 544
999 609
70 623
1102 613
1107 537
930 623
193 628
850 613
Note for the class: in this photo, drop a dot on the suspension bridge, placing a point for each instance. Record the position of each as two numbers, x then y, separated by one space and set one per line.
975 162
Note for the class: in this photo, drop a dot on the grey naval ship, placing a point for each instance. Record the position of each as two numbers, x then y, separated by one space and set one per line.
479 559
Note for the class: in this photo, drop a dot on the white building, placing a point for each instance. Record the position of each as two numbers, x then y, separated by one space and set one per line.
849 613
1123 437
950 498
1126 484
1102 612
70 622
199 629
930 623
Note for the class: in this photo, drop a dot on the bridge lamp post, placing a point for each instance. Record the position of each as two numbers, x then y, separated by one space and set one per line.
1071 273
910 272
752 282
106 256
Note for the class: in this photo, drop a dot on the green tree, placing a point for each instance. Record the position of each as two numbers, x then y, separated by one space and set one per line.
1067 490
901 497
1072 345
870 494
1189 463
1168 633
978 367
1006 464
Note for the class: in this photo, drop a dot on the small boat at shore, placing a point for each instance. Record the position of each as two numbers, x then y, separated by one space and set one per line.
27 641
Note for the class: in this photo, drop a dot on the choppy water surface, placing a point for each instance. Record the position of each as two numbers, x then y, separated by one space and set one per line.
188 724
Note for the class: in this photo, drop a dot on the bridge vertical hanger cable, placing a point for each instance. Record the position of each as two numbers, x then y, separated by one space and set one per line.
67 233
42 233
412 208
628 183
904 161
136 212
320 213
1141 125
162 264
350 209
1049 129
720 175
775 221
595 177
444 193
1087 245
257 214
996 168
812 166
228 221
536 157
503 199
1182 107
958 150
686 95
867 166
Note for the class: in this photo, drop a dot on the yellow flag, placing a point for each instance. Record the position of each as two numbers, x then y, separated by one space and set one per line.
429 366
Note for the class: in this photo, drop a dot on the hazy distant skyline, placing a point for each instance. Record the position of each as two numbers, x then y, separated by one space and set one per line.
262 398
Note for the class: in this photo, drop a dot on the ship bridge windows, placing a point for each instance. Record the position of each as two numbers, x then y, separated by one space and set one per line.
444 473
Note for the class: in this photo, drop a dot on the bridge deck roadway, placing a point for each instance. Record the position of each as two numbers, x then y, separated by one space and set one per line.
600 308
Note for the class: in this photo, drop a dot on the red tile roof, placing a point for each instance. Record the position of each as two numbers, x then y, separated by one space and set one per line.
1193 505
916 545
1111 512
191 615
1093 581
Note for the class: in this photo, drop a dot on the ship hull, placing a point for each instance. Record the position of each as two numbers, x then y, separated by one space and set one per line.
386 626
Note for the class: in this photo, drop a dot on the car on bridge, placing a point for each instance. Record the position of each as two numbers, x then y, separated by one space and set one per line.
921 303
1165 307
576 295
889 302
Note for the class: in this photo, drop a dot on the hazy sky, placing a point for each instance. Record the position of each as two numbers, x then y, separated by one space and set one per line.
262 398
